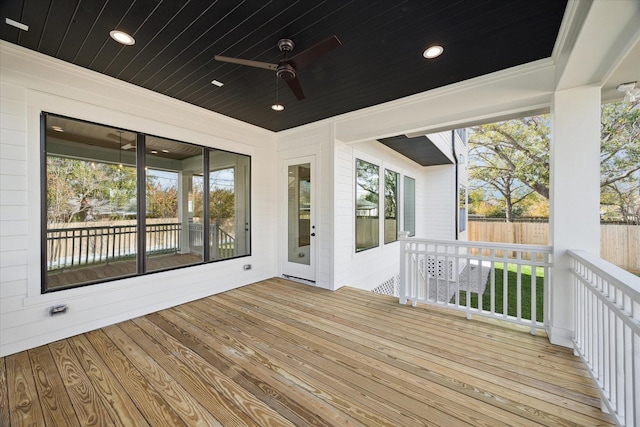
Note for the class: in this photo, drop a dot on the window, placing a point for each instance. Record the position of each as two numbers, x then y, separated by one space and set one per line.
170 167
228 204
119 203
390 206
410 205
462 133
462 206
367 205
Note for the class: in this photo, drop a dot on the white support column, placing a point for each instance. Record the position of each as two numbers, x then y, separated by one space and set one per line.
184 216
574 218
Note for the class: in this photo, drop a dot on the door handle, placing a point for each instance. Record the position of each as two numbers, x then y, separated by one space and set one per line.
313 234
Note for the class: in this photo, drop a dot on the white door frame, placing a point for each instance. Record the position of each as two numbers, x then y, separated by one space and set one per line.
293 269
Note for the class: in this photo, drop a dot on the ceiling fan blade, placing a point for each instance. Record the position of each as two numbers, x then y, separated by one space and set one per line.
250 63
306 57
296 88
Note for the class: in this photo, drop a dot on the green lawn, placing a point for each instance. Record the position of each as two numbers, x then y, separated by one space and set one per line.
511 292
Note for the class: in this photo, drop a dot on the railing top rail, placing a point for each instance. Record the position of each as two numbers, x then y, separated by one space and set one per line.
481 245
612 273
98 227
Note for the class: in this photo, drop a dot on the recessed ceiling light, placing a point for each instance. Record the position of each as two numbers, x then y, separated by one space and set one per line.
122 37
165 151
277 107
217 83
18 25
433 52
154 151
57 128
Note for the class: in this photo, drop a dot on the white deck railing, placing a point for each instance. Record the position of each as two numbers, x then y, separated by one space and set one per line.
512 280
607 333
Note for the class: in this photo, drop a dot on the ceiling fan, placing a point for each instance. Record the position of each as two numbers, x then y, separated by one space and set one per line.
287 68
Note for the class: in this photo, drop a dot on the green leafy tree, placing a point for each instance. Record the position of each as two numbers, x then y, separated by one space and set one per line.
511 158
79 190
620 160
221 204
161 202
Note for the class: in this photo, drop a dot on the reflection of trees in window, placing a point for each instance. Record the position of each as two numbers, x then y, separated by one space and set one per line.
82 191
367 204
93 230
410 205
162 194
221 194
390 206
462 206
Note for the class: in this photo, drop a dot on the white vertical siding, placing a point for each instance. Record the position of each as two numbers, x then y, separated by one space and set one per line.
31 83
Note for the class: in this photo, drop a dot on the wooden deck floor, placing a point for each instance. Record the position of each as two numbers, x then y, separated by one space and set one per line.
282 353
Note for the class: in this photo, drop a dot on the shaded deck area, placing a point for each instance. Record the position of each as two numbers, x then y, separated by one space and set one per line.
282 353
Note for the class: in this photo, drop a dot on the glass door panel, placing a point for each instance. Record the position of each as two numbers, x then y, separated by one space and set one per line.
299 213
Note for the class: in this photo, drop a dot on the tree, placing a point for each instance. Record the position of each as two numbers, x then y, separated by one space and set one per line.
79 190
368 182
513 156
620 159
161 202
221 204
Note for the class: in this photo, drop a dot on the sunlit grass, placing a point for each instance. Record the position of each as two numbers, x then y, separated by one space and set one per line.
511 292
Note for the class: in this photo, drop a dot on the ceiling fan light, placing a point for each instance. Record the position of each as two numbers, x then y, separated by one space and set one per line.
277 107
122 37
433 52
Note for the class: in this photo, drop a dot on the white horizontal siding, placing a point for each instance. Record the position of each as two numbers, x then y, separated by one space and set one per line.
317 141
370 268
31 83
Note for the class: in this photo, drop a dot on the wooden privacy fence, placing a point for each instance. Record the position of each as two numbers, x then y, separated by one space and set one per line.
619 243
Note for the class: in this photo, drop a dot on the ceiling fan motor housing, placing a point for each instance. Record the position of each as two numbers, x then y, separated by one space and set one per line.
285 45
286 71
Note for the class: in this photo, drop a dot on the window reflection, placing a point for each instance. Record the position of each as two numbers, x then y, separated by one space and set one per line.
91 203
367 205
170 227
110 215
390 206
228 204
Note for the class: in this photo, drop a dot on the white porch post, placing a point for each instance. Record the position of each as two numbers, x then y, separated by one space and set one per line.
184 216
574 218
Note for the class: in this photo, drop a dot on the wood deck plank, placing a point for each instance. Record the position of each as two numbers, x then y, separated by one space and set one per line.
150 403
213 402
370 377
56 406
4 394
88 407
232 393
24 406
281 353
121 408
180 400
352 328
310 408
288 408
487 351
514 363
336 392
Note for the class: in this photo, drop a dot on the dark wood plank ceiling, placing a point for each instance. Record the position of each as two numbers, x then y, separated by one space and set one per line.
380 58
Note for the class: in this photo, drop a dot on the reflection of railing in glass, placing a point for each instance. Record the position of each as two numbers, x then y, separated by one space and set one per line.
81 246
221 243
